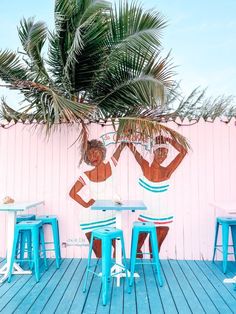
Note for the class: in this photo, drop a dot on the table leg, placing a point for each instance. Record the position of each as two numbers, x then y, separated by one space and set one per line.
119 267
11 220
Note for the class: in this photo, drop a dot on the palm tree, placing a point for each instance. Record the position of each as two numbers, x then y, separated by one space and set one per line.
103 63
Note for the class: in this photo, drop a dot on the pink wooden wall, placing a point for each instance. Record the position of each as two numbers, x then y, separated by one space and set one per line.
35 168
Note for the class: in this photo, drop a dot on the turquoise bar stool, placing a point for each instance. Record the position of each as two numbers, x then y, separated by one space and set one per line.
106 235
37 236
24 240
225 223
53 222
147 227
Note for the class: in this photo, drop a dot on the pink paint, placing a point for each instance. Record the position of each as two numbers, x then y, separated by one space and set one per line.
35 168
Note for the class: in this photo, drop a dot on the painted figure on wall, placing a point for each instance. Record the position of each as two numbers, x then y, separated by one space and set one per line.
100 184
155 182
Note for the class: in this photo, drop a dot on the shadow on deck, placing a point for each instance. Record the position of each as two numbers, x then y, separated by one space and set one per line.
189 287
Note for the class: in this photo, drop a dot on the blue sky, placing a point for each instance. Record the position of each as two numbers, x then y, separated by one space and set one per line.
200 34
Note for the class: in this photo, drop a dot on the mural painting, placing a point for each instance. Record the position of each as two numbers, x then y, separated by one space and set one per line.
100 183
155 183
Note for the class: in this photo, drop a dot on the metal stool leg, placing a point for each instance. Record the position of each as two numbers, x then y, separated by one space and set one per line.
88 263
215 241
154 242
133 255
55 231
225 239
106 268
35 242
233 232
42 241
125 263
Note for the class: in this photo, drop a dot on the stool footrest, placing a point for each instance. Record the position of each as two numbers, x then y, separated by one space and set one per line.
145 263
229 253
93 272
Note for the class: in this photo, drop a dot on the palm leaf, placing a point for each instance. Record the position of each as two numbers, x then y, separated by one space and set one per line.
48 106
11 68
146 129
33 36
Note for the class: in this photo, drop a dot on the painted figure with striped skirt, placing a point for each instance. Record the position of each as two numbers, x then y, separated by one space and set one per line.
156 181
100 185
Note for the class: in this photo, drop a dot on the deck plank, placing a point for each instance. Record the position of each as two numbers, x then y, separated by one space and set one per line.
181 302
75 284
32 296
14 290
80 297
228 298
211 290
117 297
165 294
186 288
189 287
22 294
153 290
199 290
58 293
220 275
48 290
94 292
142 300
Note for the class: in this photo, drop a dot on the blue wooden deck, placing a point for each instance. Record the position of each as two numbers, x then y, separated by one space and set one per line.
190 287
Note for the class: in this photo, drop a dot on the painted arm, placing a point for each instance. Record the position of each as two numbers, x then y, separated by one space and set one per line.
76 197
118 151
177 160
139 158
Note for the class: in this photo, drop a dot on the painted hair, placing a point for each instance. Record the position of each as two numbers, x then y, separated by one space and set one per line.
160 142
97 145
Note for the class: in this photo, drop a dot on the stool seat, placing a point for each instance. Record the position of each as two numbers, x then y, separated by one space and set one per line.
147 227
106 235
227 220
107 232
27 225
20 218
37 236
226 223
53 222
46 218
143 226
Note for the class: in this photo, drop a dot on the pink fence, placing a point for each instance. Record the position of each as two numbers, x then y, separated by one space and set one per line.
33 167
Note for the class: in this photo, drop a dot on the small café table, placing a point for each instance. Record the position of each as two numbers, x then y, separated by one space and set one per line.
131 205
226 207
12 210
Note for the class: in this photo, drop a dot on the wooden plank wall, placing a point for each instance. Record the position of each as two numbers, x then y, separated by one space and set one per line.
33 167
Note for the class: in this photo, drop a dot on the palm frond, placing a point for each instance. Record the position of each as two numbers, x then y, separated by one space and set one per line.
146 129
48 106
33 35
134 30
11 68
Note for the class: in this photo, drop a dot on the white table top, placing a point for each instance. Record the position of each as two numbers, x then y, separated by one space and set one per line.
227 206
20 206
